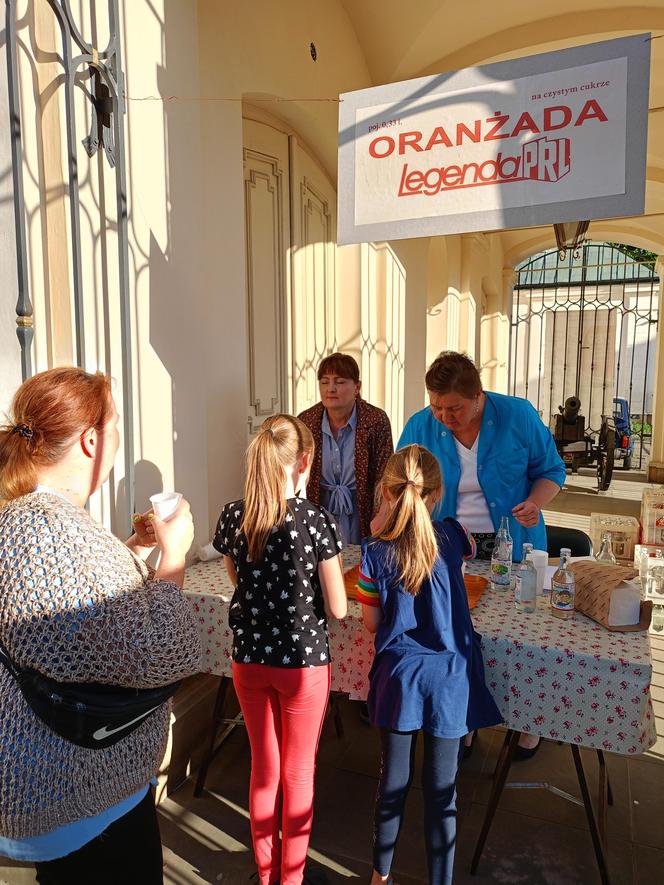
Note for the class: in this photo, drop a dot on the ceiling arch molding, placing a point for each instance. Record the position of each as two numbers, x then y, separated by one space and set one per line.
556 32
617 231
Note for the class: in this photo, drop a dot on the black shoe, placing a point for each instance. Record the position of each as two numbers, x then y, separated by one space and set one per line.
523 753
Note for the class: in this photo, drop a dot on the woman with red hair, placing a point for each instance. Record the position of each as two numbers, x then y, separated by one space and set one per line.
79 606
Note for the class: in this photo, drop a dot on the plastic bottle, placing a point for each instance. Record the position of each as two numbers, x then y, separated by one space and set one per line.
501 558
525 583
563 587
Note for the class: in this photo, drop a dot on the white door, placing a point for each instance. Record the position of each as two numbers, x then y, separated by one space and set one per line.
267 220
290 209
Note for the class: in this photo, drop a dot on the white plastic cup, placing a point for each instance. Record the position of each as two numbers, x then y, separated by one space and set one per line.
540 559
165 504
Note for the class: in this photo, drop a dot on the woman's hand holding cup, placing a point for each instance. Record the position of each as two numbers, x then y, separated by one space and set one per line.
174 536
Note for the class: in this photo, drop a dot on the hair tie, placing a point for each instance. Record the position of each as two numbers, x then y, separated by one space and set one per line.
411 482
24 430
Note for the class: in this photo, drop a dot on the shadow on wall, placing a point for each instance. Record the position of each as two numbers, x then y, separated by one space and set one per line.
173 336
148 480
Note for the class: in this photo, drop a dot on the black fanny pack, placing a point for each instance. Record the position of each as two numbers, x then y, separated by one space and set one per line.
86 713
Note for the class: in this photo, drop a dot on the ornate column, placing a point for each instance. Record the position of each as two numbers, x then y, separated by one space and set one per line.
495 337
473 257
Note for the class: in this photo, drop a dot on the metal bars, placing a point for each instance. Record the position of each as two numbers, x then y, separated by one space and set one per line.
77 54
24 321
585 326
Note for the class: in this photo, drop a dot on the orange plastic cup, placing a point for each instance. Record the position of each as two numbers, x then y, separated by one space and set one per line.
475 587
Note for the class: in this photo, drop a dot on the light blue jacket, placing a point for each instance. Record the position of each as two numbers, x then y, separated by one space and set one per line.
515 449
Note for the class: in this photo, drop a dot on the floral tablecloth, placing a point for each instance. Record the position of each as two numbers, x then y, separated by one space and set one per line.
571 681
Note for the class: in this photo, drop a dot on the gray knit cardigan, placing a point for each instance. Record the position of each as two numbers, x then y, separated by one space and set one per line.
76 605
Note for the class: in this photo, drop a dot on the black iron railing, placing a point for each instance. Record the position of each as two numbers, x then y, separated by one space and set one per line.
586 326
104 66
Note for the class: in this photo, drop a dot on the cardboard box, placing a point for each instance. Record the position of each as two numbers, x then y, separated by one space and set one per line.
595 581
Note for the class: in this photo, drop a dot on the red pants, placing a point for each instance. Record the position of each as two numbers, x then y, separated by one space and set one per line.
283 710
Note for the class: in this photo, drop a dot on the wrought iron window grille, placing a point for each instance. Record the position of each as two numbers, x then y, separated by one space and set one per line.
106 132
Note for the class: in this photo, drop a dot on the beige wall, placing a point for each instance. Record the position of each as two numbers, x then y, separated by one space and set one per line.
259 52
192 70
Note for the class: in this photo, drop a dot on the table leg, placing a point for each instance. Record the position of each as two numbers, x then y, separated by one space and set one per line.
336 714
217 717
604 797
603 769
499 778
598 842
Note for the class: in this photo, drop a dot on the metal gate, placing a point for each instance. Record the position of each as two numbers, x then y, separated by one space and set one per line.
585 325
96 73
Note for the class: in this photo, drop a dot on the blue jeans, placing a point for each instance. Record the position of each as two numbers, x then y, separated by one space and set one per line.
439 771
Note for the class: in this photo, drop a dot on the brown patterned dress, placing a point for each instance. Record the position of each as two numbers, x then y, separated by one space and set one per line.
373 447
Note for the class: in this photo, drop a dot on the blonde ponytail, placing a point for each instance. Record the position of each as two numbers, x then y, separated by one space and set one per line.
411 476
278 445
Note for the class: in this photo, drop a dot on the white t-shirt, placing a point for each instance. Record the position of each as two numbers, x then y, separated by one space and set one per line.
472 510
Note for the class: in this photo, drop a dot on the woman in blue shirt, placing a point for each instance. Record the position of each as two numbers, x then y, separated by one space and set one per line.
497 458
496 455
428 672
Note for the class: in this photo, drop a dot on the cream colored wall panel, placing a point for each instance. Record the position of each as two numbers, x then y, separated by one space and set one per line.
369 294
383 317
313 268
395 340
179 351
267 220
349 269
265 283
412 256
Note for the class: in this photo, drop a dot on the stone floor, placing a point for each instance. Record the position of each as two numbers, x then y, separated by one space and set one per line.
536 838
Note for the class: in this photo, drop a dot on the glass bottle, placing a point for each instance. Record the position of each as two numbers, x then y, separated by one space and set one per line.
605 552
501 558
563 587
655 573
658 618
525 583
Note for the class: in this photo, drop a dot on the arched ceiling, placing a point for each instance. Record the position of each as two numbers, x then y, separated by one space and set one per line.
401 41
404 40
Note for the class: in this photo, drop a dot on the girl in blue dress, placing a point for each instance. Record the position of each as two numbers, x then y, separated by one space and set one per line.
428 673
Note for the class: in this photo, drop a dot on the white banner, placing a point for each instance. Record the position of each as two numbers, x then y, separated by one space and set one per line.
545 139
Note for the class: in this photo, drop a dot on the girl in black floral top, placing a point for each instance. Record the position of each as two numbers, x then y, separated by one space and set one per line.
282 553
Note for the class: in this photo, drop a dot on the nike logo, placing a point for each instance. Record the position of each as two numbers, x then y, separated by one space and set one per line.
105 732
